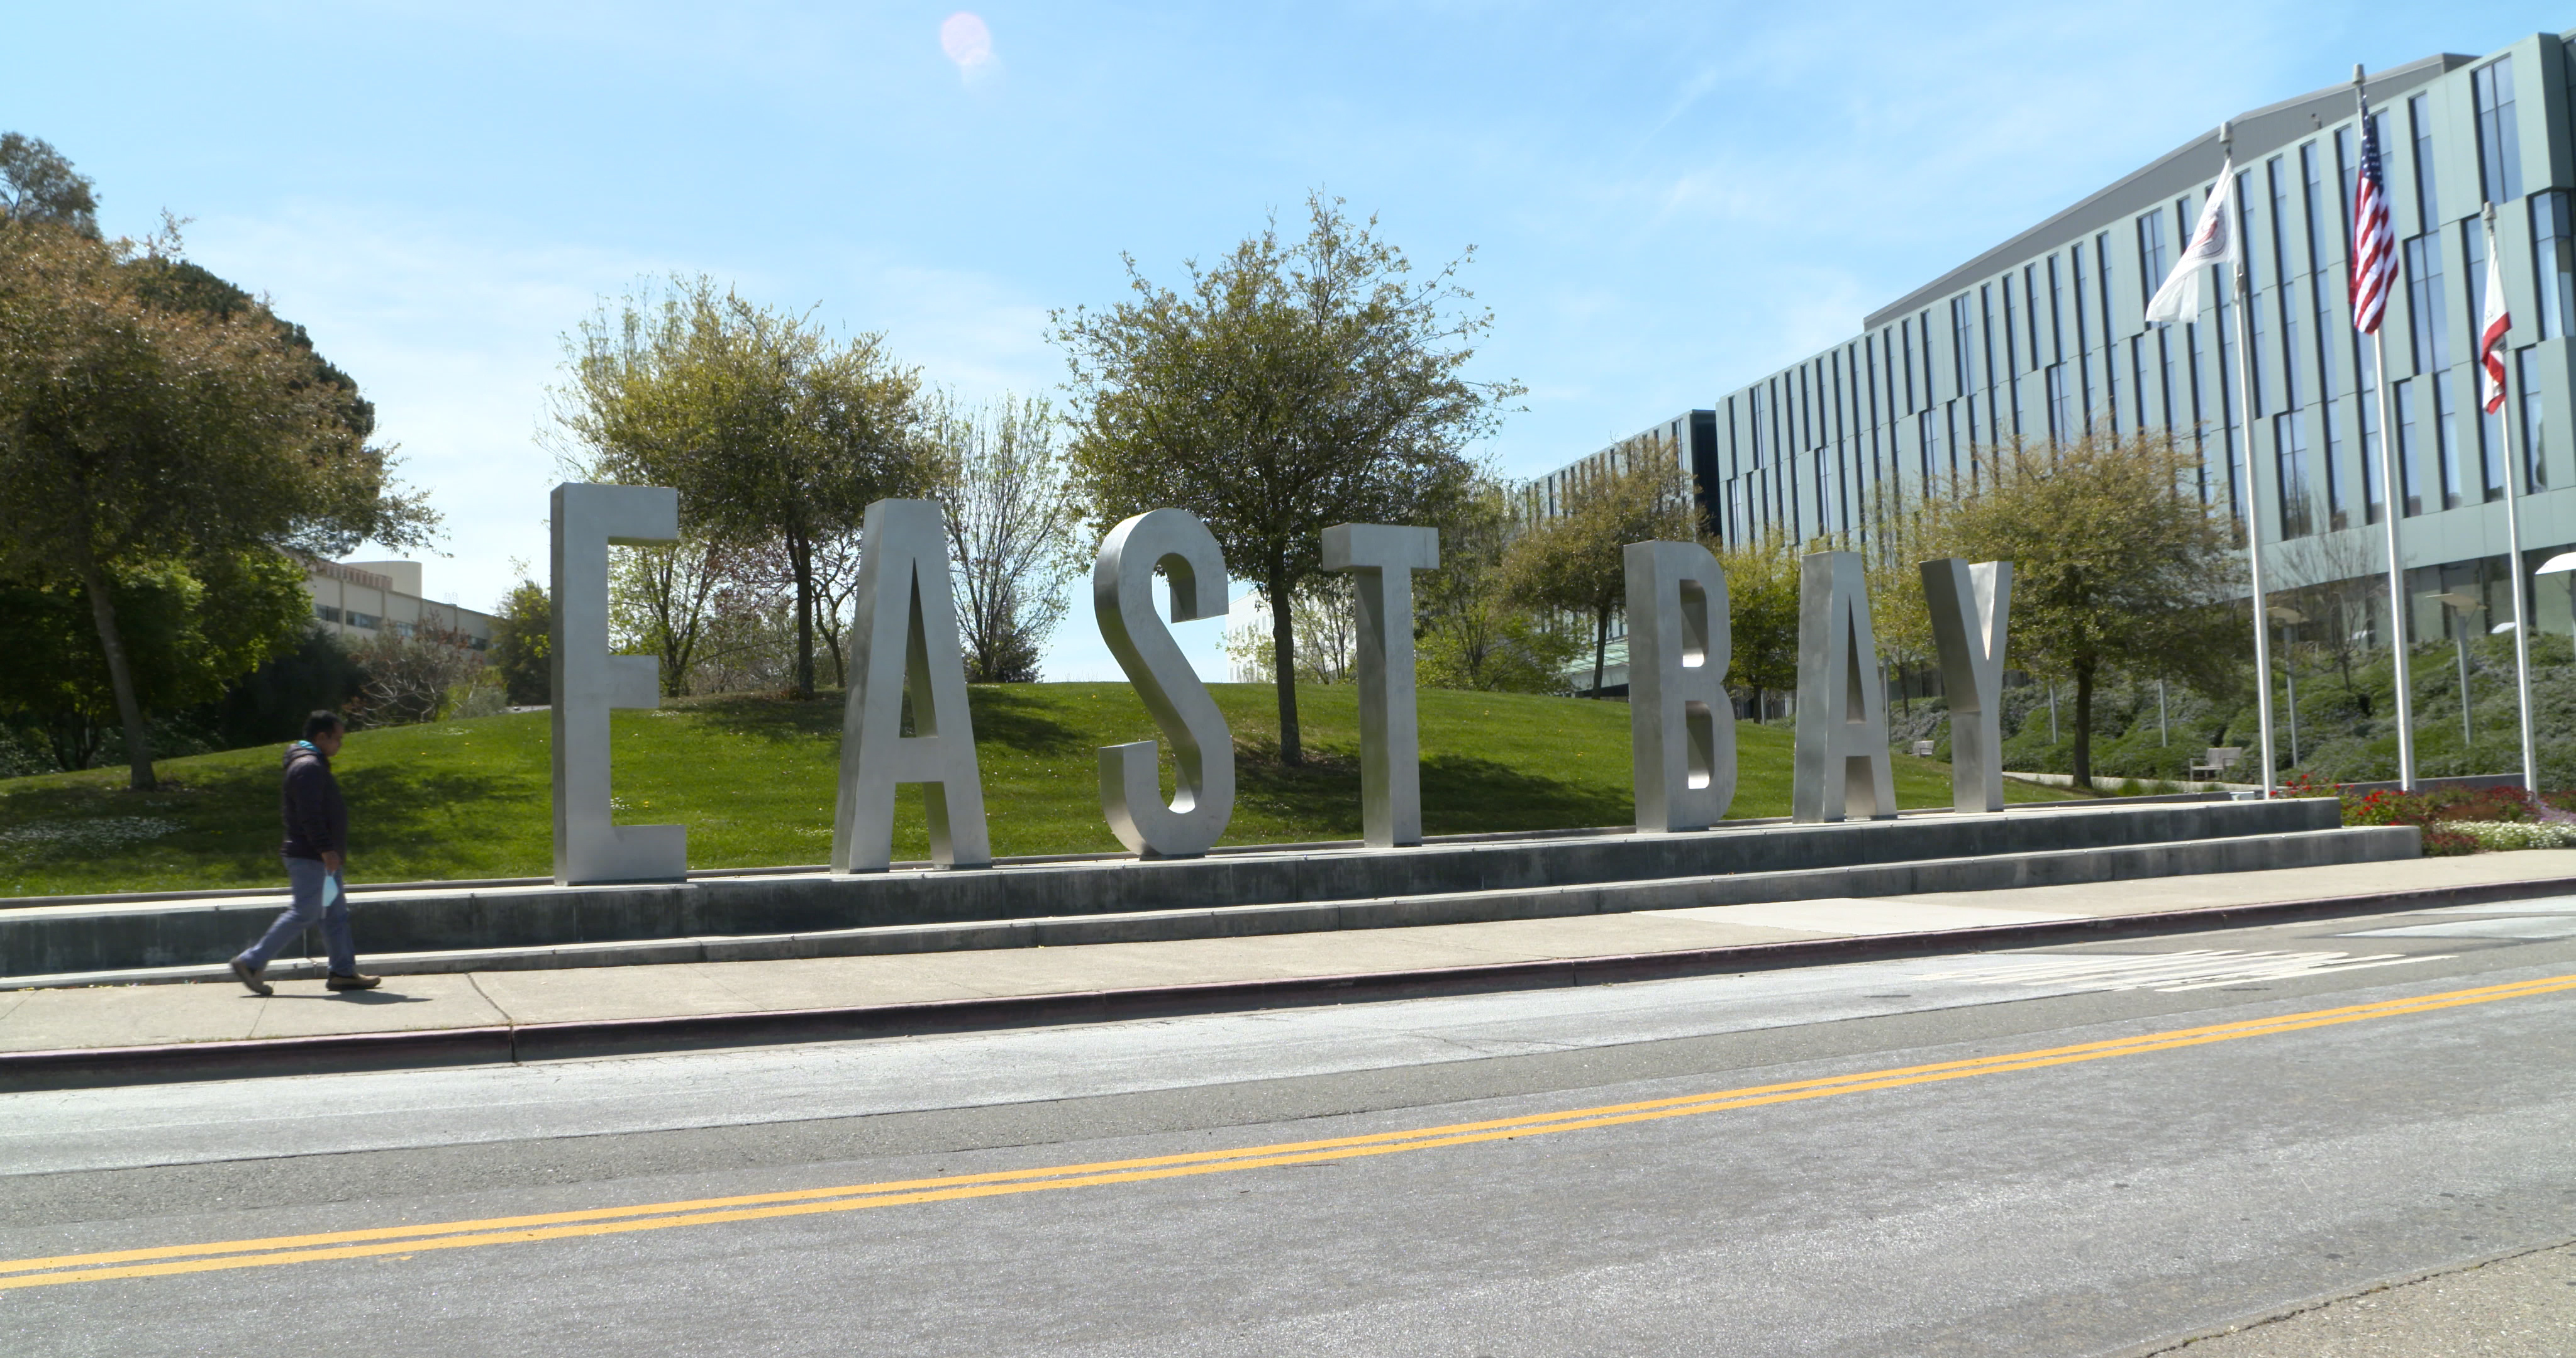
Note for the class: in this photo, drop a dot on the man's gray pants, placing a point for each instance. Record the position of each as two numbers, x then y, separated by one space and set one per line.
304 878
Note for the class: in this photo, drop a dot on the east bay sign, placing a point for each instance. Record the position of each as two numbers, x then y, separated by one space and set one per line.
904 638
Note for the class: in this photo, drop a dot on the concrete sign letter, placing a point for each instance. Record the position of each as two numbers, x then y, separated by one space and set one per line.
588 681
1969 607
906 631
1841 767
1681 724
1122 598
1381 559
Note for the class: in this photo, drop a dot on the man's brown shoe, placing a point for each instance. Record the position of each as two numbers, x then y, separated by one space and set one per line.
251 979
340 982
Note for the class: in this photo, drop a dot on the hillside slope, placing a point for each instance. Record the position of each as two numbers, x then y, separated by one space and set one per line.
753 779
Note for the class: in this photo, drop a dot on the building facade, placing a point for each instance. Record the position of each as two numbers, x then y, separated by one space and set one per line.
2042 338
357 600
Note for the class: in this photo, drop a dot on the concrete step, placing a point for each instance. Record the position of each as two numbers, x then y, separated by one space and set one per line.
1985 872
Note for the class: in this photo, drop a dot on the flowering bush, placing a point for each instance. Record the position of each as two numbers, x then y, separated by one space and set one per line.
2466 820
2511 834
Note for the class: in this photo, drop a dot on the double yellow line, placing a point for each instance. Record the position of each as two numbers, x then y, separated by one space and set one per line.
407 1240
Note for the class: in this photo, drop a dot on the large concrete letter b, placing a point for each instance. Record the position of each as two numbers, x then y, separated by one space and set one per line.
1681 725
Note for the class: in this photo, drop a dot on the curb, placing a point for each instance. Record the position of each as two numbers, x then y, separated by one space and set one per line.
82 1068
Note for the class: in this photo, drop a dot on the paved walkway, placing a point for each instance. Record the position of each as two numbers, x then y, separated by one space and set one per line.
143 1015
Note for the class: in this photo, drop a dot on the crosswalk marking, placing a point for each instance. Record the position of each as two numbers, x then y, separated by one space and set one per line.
2196 969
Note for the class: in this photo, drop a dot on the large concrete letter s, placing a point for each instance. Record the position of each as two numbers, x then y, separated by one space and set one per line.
1122 597
1841 765
906 628
1970 606
1381 559
588 681
1681 724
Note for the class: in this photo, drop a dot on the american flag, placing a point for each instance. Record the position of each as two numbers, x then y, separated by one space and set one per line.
2374 240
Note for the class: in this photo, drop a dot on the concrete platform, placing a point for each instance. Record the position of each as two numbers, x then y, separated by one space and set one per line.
115 1034
1104 900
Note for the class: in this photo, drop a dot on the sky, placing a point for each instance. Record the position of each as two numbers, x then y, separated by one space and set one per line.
1664 201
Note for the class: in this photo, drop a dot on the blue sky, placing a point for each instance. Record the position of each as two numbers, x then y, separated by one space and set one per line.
1666 200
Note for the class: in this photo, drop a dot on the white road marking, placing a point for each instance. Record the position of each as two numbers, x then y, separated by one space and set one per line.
2198 969
2528 926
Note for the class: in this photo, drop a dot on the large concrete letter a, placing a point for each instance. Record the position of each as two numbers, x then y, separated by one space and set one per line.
1970 606
588 681
1841 763
1681 724
906 629
1122 597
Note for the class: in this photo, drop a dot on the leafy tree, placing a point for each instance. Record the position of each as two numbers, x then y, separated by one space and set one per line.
1473 635
523 644
1576 562
2112 566
179 651
1011 520
415 675
138 427
38 185
1763 597
268 705
776 436
1291 387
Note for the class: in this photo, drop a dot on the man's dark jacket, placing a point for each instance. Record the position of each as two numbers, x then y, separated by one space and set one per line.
317 821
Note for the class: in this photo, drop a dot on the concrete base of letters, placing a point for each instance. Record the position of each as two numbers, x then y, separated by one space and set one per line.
430 929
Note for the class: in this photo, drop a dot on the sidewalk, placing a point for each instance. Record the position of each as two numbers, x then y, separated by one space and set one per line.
206 1030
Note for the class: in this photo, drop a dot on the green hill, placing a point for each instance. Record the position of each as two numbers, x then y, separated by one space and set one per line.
753 779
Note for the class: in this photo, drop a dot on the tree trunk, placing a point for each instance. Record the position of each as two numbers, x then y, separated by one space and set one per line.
800 558
1283 661
120 677
1600 647
2084 724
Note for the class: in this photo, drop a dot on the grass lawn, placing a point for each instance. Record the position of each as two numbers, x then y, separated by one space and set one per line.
753 779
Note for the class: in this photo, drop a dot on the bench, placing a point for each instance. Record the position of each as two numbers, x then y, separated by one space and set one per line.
2219 760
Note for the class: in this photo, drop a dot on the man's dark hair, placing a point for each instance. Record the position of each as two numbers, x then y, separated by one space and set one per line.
322 722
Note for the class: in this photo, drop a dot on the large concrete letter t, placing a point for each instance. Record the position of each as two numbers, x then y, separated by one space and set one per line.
1381 559
588 681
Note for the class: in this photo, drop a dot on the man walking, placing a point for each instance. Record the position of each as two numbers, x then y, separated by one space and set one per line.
317 842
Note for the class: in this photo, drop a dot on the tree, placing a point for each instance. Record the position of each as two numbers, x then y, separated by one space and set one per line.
523 644
139 426
1576 562
1763 596
416 675
1289 388
38 185
2112 564
180 651
776 436
1011 520
1473 635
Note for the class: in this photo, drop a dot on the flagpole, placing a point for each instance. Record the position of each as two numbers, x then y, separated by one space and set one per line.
2245 405
2505 414
2394 508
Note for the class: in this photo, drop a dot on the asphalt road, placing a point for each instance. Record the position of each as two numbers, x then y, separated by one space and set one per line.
2104 1150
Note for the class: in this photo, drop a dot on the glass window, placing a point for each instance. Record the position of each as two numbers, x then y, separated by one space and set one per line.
326 612
1905 334
2338 514
2061 418
2526 380
2499 143
2374 489
2110 340
365 620
2429 335
2276 178
2410 485
2057 313
2227 402
2289 299
2553 261
1963 343
2446 438
2313 192
2191 374
2030 305
2153 262
2428 207
2290 462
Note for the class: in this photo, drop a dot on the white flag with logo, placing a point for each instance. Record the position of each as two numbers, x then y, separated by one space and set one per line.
2213 241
